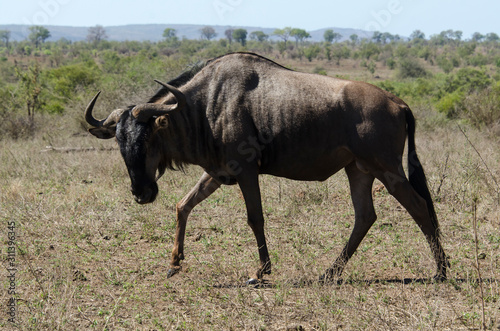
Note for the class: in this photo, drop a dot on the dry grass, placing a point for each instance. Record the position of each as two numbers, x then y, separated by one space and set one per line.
88 257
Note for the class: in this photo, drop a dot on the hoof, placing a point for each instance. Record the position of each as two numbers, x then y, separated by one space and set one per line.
252 281
265 269
438 278
173 271
325 279
330 275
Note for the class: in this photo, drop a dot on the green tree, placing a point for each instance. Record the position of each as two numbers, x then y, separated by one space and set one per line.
369 49
170 34
340 52
331 36
259 36
466 50
240 35
31 87
371 67
38 35
492 37
312 52
477 37
300 35
447 37
5 36
386 36
96 34
328 35
377 37
229 35
417 35
425 52
354 38
283 34
208 33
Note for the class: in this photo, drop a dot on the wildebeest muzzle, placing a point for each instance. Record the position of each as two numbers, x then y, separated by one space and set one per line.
145 193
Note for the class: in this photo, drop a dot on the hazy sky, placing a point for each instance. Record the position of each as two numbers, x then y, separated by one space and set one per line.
395 16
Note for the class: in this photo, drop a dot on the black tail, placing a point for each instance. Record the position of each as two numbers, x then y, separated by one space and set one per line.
416 172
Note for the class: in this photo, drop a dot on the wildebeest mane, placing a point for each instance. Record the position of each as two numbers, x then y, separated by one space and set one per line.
180 80
195 68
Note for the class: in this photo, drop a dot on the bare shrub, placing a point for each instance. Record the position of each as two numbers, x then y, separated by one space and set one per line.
482 108
17 127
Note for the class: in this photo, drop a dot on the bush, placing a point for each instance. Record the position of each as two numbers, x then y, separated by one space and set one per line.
17 127
450 104
312 52
369 50
467 80
54 107
447 62
391 63
478 60
482 108
320 71
65 80
411 68
111 62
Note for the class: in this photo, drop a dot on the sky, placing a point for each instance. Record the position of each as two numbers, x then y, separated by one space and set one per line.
395 16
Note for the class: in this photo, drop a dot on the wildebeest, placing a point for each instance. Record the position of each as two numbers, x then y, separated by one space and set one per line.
241 115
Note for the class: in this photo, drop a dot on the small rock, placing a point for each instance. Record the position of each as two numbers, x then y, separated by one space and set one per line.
198 237
295 328
78 275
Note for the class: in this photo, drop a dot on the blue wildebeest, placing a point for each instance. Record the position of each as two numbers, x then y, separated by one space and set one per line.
241 115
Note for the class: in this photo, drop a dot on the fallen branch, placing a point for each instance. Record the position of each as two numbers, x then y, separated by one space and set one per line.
76 149
480 279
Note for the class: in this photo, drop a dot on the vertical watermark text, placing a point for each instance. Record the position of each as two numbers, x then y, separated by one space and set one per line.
11 271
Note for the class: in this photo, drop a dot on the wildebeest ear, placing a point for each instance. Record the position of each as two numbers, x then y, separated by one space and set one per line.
161 122
103 132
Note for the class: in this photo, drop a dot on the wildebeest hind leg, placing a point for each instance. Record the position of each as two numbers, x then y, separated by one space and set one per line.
416 206
204 188
361 195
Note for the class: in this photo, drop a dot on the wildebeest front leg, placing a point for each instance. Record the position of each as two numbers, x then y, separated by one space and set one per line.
364 214
249 185
204 188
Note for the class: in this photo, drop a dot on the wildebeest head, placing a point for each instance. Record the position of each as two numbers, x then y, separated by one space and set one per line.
135 129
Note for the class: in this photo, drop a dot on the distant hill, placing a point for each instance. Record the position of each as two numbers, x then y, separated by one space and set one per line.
154 32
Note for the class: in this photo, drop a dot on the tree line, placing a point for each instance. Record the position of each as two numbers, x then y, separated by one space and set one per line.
39 34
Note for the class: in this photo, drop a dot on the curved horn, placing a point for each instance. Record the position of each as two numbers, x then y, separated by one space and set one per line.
179 96
111 119
145 111
88 112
